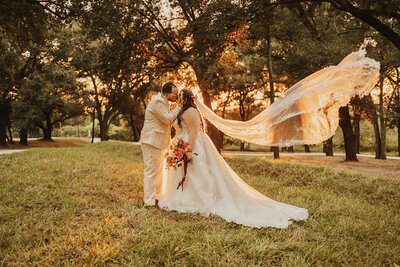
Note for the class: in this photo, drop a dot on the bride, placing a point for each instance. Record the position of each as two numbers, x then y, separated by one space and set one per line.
212 187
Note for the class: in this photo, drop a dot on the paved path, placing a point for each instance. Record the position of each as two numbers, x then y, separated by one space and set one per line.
9 151
233 153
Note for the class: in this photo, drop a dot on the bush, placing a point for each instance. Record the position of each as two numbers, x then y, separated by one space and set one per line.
122 133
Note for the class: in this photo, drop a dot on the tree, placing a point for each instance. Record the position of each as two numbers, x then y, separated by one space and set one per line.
134 114
239 77
15 66
328 147
320 40
375 14
345 124
111 54
384 93
394 105
195 33
50 95
21 117
24 28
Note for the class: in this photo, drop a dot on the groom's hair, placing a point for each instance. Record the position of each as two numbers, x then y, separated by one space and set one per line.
167 87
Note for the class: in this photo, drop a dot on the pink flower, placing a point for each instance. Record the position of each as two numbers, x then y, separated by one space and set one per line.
178 154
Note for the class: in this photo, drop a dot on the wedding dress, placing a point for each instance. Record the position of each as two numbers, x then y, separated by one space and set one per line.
212 187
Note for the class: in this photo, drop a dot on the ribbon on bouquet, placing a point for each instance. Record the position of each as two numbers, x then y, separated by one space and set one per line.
185 164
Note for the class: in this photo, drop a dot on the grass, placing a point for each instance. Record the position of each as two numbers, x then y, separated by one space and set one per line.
83 206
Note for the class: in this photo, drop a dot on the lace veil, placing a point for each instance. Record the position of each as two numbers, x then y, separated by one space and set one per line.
306 113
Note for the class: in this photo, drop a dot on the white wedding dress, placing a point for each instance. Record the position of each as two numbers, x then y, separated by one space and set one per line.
212 187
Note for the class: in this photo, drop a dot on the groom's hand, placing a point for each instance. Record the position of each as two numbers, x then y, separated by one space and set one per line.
178 101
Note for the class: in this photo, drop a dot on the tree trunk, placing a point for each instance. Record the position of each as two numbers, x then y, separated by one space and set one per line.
377 138
276 152
383 140
221 139
94 120
3 126
212 131
329 147
215 136
135 134
398 119
374 121
241 146
103 124
47 134
104 132
271 81
382 123
356 127
345 124
48 129
307 149
10 133
23 137
398 136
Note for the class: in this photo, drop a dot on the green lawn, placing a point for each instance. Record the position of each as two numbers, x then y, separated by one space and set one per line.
83 205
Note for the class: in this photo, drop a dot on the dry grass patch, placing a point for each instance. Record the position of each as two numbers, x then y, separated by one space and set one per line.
389 168
57 142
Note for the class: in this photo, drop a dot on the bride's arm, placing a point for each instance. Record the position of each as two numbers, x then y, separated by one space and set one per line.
193 122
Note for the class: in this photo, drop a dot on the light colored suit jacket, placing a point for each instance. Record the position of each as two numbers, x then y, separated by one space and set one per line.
157 122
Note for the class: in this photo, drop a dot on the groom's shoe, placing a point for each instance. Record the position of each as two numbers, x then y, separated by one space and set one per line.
151 204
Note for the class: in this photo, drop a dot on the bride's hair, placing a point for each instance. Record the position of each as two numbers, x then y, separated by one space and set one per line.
187 101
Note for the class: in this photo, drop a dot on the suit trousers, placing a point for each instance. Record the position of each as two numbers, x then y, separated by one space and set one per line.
153 164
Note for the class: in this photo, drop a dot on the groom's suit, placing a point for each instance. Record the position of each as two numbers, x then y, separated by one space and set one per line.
155 137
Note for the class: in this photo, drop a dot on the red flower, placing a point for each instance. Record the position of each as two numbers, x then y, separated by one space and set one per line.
178 154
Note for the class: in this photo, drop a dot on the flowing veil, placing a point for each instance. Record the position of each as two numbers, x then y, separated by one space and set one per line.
306 113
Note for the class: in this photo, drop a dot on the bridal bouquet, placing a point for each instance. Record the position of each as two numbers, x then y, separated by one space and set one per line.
180 154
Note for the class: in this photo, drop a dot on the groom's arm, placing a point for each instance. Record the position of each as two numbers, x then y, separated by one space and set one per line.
162 112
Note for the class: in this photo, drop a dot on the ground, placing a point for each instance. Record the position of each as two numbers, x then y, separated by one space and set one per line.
369 166
83 206
57 142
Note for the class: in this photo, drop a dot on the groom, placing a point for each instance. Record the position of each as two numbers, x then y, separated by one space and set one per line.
155 137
